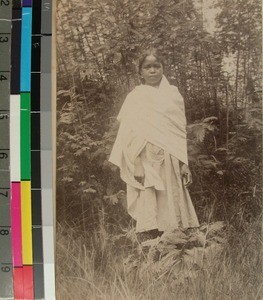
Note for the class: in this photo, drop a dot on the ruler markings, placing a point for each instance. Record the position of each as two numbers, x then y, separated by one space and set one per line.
30 74
6 290
6 281
4 207
5 245
5 88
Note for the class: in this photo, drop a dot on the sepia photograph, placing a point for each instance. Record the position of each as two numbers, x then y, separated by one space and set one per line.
159 149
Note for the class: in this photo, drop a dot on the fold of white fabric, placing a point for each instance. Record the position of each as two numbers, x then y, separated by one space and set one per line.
154 115
165 208
153 126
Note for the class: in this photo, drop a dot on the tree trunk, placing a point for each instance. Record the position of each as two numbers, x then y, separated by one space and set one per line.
227 116
237 75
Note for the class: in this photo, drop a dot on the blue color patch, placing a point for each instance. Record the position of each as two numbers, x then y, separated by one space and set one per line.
25 75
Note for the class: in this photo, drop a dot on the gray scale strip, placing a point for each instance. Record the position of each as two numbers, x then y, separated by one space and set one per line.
6 268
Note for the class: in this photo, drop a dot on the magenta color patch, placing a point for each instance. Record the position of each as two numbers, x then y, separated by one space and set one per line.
16 224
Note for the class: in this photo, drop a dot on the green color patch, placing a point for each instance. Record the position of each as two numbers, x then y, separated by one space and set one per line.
25 136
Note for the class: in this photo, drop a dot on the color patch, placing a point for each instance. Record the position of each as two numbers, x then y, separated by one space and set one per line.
35 92
27 255
16 224
18 283
25 137
28 282
39 281
46 17
25 78
15 137
15 55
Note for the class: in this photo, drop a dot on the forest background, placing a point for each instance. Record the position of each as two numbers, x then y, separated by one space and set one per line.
216 64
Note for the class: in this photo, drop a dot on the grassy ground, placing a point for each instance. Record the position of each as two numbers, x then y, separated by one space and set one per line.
93 267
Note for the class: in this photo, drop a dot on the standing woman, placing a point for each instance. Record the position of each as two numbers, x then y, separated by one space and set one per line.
151 152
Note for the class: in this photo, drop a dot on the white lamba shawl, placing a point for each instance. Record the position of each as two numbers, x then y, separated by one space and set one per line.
153 127
155 115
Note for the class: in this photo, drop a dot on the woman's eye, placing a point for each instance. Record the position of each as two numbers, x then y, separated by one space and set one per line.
154 66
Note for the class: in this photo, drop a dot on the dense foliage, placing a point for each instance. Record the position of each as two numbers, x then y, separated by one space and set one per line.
218 73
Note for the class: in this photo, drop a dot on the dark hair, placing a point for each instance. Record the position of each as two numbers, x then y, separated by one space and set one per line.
151 51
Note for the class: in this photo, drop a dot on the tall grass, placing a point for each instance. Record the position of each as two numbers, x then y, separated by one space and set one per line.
93 266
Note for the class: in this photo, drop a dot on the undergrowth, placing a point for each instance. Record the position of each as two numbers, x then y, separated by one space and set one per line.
93 266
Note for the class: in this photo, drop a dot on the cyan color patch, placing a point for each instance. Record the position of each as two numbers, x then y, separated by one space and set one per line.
25 75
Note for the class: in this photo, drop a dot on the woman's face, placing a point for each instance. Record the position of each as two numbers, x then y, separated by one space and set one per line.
152 71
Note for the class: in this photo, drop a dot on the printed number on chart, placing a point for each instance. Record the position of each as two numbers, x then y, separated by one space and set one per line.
2 77
46 6
5 194
4 2
4 39
3 155
4 232
5 269
3 116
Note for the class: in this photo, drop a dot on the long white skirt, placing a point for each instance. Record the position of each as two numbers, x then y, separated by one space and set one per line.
165 203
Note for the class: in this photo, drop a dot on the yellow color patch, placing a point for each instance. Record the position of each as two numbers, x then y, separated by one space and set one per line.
26 214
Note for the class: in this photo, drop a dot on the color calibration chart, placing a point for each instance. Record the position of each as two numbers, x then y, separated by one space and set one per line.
26 178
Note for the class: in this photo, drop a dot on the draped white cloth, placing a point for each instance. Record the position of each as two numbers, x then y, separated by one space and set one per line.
153 126
158 116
